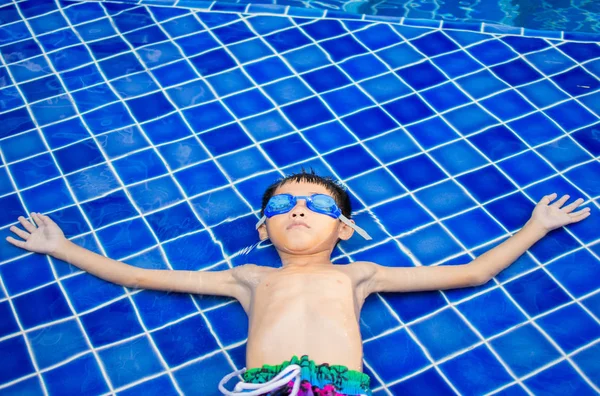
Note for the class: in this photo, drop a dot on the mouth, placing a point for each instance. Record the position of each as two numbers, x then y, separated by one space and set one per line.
297 225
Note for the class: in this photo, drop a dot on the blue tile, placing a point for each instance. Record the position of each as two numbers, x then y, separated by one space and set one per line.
324 28
564 153
207 116
429 381
287 150
248 103
307 58
469 119
375 317
563 378
497 142
421 76
82 77
591 102
526 168
203 376
6 186
158 54
585 178
93 97
225 139
456 64
95 30
220 320
219 205
130 361
444 199
267 125
481 84
376 186
480 312
570 115
307 113
577 82
15 367
347 100
159 386
181 26
392 146
197 43
21 146
42 88
267 24
492 52
26 273
579 330
402 215
97 210
229 82
384 360
385 87
369 122
268 70
132 19
587 138
434 44
458 157
200 178
250 50
408 110
184 341
58 342
14 32
43 198
20 50
92 182
581 52
516 72
174 73
158 309
507 105
474 228
432 132
103 328
233 33
33 171
134 85
287 39
486 183
377 36
523 45
465 38
550 61
342 48
470 378
123 141
108 118
526 292
588 362
345 163
33 309
237 235
288 90
25 70
84 366
144 194
400 55
445 96
107 47
363 66
52 110
535 129
431 245
213 62
327 137
326 79
537 353
173 222
416 172
139 166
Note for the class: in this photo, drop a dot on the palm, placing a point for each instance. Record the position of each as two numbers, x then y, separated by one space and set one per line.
552 216
44 238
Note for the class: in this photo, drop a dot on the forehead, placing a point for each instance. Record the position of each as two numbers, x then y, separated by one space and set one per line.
301 188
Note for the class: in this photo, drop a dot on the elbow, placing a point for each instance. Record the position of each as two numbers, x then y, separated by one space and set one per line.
479 278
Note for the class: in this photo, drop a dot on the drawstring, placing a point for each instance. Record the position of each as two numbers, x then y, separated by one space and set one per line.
281 379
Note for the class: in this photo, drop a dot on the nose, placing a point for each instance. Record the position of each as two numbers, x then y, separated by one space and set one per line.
300 208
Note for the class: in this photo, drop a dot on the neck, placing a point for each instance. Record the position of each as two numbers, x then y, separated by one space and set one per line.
318 259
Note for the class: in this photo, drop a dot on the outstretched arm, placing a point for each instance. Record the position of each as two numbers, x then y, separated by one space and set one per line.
47 238
545 218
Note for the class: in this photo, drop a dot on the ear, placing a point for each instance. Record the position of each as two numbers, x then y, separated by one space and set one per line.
262 232
344 231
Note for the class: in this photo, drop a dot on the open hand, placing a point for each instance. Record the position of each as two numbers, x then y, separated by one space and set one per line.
45 238
552 216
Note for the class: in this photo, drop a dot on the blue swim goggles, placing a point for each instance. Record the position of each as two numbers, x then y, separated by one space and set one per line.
319 203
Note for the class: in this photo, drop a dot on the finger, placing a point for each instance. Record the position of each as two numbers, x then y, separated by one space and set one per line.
46 220
580 212
580 217
561 201
13 241
547 198
20 232
572 206
37 218
26 224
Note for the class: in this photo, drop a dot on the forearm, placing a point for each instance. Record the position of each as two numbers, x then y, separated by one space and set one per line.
100 266
497 259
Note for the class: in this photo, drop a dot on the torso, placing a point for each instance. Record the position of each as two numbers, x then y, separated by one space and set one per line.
310 311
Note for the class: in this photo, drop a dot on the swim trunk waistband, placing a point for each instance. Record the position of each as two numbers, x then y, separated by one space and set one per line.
315 379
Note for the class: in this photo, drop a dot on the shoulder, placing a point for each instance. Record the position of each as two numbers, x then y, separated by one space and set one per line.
360 271
250 274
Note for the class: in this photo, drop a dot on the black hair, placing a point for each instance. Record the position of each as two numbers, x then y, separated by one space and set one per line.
341 197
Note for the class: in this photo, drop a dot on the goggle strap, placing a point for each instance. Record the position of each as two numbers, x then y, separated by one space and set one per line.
261 221
356 228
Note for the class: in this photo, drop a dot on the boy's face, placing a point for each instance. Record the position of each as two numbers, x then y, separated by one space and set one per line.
301 230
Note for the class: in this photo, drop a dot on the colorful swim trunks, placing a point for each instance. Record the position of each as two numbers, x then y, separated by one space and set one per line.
315 380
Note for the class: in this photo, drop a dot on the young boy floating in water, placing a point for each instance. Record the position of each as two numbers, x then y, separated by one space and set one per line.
309 307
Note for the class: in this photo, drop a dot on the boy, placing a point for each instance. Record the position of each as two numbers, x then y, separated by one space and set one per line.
309 307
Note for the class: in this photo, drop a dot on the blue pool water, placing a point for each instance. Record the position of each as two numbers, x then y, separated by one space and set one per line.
149 133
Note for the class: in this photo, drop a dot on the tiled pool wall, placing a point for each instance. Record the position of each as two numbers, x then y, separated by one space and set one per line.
149 132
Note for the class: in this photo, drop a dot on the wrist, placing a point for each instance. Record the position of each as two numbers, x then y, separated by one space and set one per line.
61 249
535 229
